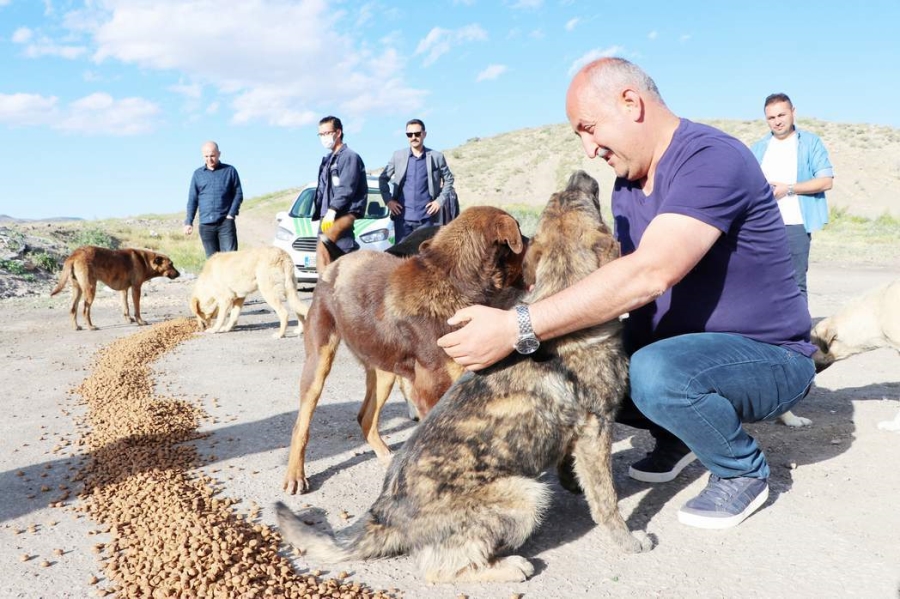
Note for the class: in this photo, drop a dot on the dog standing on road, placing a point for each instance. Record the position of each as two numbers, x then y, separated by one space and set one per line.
118 269
228 278
465 485
390 312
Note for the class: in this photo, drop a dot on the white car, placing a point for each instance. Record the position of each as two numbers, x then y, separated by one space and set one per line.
296 232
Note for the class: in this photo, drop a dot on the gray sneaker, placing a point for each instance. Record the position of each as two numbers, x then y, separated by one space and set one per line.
725 502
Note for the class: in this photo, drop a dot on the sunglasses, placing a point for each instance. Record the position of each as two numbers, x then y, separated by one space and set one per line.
324 133
412 134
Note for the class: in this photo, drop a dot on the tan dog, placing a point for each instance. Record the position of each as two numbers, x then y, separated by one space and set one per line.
870 321
228 278
466 485
118 269
390 312
867 322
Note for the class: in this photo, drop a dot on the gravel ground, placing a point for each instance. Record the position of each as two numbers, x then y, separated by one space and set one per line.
828 530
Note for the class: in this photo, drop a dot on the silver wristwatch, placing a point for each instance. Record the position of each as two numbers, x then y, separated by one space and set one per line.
527 343
790 190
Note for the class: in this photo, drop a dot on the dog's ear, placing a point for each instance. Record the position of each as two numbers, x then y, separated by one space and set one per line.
508 232
529 266
606 248
425 245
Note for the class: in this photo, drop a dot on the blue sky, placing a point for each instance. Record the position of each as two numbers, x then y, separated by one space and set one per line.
104 104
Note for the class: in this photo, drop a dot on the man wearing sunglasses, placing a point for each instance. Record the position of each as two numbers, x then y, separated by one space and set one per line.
423 191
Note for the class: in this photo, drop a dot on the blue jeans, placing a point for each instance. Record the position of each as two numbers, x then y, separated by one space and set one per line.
799 242
702 386
219 237
402 228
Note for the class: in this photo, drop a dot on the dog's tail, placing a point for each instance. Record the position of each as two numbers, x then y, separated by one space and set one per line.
64 275
290 289
364 539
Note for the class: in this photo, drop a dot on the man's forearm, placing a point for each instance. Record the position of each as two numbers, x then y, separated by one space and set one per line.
605 294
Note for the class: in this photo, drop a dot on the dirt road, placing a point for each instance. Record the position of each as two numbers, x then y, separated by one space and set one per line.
828 530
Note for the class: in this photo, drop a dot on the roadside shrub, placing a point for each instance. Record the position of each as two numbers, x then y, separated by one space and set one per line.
45 261
93 236
13 267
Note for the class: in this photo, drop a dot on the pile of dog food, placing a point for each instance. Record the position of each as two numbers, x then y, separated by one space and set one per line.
170 534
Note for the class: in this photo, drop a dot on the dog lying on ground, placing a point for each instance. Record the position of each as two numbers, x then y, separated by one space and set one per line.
390 312
228 278
870 321
465 485
118 269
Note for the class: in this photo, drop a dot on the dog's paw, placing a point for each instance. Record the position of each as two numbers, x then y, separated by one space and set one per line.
277 335
631 542
294 484
518 567
789 419
644 541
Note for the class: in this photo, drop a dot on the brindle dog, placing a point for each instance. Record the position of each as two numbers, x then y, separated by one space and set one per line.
390 312
465 487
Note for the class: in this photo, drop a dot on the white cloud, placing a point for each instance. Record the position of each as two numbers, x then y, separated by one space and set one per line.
22 35
527 4
684 38
100 113
537 34
270 60
572 23
44 46
652 35
593 55
20 110
491 72
97 113
4 2
439 41
189 90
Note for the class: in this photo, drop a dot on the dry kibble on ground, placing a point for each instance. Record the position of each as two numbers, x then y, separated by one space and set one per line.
171 533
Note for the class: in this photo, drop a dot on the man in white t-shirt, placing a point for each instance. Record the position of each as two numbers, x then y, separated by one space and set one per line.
796 165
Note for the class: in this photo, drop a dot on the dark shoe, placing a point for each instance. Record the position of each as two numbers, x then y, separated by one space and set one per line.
662 464
725 502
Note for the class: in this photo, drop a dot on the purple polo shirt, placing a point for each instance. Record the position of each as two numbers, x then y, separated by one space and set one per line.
745 283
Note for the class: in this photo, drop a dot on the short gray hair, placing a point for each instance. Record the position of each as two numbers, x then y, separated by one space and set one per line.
608 75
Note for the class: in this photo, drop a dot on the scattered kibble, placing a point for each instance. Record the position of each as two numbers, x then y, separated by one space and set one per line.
140 484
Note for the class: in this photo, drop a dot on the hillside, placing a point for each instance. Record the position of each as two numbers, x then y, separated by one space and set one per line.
527 165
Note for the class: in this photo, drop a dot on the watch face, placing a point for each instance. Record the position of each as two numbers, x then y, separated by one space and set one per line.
527 345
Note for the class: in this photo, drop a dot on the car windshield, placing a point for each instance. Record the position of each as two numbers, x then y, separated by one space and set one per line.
305 204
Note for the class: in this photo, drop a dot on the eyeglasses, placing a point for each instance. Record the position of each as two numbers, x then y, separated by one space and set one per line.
412 134
324 133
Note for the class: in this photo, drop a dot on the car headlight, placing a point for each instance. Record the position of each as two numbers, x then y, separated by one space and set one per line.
374 236
282 234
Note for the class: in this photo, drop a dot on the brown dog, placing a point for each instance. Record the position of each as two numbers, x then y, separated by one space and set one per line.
466 485
118 269
390 312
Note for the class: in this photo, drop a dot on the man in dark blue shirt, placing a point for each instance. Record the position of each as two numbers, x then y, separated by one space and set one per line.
424 184
216 192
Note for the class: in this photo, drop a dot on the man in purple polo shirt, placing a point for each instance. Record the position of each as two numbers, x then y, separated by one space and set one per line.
718 327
